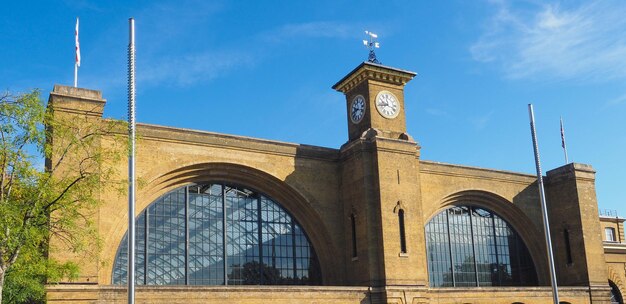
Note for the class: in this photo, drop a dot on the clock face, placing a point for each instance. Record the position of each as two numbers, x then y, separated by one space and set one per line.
357 109
387 104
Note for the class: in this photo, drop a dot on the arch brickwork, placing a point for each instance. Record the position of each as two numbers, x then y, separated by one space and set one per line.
510 213
284 194
616 279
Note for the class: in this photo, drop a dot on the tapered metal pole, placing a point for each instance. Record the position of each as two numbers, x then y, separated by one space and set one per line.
131 163
75 75
76 55
544 209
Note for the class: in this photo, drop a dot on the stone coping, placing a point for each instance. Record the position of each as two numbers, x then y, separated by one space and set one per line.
231 288
614 247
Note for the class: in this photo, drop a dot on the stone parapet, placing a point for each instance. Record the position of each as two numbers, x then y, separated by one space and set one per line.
76 100
79 293
75 294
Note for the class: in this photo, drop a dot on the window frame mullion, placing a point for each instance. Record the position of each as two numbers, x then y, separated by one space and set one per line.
225 253
186 235
495 244
450 249
145 246
471 215
260 236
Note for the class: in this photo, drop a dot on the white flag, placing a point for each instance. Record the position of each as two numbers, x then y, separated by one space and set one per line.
77 45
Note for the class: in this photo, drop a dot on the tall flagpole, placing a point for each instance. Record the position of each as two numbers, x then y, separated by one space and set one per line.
131 163
563 141
77 58
544 209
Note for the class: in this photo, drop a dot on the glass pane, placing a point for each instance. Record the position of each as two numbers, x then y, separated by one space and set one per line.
506 242
166 240
242 238
206 254
437 242
484 245
120 270
461 246
609 234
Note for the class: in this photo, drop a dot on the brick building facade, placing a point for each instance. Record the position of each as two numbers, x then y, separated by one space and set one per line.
367 223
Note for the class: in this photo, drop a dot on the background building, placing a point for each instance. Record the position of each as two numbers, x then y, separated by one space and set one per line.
223 218
614 252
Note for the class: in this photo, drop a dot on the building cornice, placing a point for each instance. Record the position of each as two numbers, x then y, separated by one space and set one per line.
437 168
613 247
373 71
233 142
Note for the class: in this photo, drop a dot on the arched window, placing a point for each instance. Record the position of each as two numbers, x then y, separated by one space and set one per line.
472 246
218 234
616 296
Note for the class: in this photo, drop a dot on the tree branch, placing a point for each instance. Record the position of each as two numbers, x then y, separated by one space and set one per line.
65 190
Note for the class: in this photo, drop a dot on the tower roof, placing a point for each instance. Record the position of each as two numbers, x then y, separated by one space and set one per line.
369 70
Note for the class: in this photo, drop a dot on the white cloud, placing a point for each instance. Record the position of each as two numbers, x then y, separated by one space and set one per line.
190 69
436 112
480 122
78 5
616 101
586 42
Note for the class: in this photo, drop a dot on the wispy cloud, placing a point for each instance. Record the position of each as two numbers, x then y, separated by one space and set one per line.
181 20
165 32
84 5
192 68
436 112
615 101
586 42
480 122
179 45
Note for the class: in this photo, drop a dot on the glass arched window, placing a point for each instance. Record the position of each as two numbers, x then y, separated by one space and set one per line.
472 246
217 234
616 296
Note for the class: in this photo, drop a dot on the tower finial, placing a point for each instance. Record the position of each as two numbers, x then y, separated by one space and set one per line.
371 44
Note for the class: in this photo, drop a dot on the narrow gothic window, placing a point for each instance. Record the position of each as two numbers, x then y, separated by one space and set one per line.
568 248
402 233
353 225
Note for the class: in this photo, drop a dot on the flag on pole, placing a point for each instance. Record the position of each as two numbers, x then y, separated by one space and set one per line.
562 134
77 45
563 141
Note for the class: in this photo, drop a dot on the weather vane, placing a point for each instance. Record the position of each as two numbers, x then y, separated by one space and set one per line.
371 44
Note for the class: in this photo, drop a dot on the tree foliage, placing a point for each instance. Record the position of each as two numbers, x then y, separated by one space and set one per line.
25 280
39 204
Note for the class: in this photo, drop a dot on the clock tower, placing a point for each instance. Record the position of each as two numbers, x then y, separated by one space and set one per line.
380 184
375 100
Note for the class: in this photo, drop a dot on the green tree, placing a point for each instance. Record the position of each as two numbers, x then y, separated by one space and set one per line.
38 204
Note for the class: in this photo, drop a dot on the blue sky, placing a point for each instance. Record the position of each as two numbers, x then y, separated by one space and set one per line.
264 69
